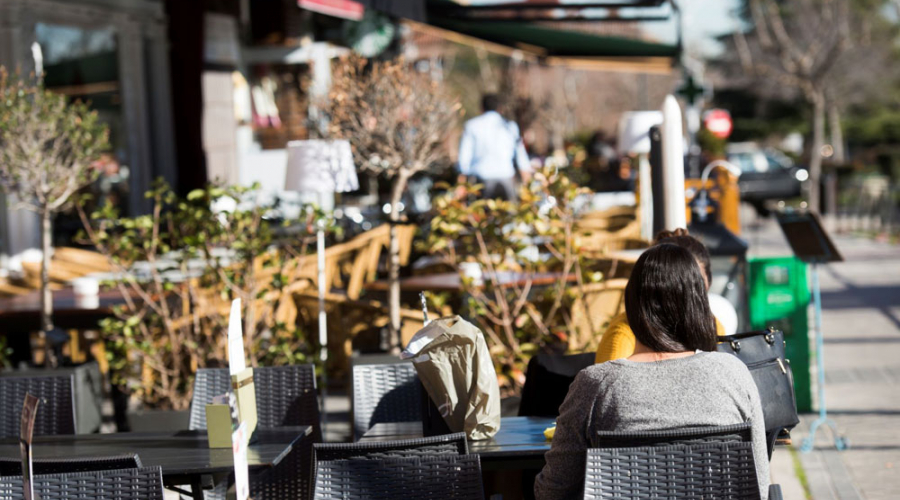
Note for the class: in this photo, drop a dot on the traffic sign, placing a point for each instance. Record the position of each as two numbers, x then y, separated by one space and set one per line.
718 121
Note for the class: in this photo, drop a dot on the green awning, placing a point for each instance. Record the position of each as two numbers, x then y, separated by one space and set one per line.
551 42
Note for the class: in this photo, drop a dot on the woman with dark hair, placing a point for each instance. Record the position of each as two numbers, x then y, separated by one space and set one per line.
674 379
618 341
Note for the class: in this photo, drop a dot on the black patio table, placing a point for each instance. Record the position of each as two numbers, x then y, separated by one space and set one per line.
184 456
519 444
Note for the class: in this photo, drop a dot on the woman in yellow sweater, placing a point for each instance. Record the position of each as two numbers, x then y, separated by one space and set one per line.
618 340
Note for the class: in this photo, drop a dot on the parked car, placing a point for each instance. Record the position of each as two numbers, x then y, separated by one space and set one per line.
766 174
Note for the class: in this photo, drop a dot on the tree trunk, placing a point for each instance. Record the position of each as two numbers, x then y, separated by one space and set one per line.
394 261
46 295
837 134
815 152
838 158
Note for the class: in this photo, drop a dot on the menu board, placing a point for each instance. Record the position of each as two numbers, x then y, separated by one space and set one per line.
29 413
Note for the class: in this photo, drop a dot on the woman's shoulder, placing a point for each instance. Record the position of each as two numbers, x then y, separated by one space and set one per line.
727 363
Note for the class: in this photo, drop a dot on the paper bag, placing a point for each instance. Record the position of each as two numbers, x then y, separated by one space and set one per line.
453 363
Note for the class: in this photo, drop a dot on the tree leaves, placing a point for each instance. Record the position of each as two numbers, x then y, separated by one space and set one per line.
47 145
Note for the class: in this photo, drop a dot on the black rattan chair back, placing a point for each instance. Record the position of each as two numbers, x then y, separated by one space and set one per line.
285 396
710 470
547 382
435 477
453 444
737 433
13 467
119 484
385 393
55 413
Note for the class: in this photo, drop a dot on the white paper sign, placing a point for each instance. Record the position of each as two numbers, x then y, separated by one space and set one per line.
236 360
241 469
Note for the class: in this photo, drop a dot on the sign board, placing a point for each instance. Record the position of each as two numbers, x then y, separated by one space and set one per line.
29 413
345 9
807 237
718 121
241 467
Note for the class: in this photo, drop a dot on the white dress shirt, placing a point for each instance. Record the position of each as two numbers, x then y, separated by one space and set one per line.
489 146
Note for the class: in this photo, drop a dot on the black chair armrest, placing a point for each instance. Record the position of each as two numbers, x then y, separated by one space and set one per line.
775 492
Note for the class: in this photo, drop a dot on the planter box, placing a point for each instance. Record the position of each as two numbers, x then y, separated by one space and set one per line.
88 391
158 420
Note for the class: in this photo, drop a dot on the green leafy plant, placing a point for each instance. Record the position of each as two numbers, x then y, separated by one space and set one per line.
179 268
47 150
534 238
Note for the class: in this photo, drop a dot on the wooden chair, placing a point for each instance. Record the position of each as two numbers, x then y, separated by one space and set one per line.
8 289
610 220
354 263
349 318
591 313
66 264
596 243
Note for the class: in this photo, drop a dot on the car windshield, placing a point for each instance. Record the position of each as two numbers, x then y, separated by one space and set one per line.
776 163
743 160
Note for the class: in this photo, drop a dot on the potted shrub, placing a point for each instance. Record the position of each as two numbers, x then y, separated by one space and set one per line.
179 268
532 235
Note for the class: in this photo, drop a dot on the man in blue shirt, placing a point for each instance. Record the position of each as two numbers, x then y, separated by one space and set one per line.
491 150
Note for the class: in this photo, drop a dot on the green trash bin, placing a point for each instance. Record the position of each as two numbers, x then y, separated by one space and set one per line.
779 297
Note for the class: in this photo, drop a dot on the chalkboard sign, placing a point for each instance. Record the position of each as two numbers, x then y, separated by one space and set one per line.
807 237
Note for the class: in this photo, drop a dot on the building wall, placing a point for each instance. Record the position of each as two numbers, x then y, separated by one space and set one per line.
142 57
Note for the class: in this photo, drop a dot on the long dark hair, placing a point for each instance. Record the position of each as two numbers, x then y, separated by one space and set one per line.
666 302
682 238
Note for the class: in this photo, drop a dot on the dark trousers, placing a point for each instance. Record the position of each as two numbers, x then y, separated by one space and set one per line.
504 189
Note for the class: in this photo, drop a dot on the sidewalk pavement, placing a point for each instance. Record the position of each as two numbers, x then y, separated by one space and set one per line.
861 324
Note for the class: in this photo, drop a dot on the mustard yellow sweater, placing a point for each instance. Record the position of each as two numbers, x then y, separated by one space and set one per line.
618 340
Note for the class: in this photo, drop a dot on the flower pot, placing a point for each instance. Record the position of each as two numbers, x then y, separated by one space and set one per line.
158 420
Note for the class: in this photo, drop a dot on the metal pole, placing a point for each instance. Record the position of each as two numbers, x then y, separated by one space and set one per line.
323 322
840 442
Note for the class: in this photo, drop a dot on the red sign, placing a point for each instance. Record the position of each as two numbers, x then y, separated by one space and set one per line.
345 9
718 121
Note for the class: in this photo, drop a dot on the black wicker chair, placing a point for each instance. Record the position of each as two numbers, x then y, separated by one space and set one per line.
547 382
285 396
453 444
714 470
385 393
13 467
435 477
707 462
55 414
119 484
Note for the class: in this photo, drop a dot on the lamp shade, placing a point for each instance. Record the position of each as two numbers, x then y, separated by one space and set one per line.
634 128
319 166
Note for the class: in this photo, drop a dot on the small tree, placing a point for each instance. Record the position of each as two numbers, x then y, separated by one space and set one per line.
397 121
47 147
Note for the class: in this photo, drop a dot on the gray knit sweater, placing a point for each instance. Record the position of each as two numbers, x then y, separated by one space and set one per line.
705 389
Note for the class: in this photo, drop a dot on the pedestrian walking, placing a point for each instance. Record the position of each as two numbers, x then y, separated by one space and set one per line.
491 151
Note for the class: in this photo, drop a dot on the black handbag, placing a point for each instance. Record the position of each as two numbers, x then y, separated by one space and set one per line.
763 353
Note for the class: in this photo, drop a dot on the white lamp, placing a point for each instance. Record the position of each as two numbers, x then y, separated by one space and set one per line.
322 167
